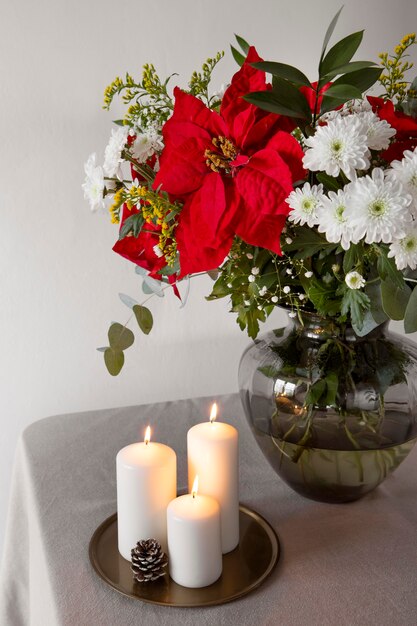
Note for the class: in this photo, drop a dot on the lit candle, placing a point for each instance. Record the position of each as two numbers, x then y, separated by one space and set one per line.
213 455
146 483
194 540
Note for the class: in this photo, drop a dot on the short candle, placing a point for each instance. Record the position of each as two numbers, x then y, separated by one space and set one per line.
213 454
146 483
194 540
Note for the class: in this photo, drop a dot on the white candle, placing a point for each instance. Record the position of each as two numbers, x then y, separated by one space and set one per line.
213 455
146 483
194 541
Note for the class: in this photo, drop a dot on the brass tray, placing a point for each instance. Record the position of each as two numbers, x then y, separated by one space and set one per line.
244 569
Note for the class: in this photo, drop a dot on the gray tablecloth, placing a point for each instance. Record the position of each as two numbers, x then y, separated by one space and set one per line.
341 564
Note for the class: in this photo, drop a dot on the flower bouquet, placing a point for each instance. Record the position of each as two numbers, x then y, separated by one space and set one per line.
289 193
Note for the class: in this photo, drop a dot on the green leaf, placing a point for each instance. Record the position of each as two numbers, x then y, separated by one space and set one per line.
114 360
329 32
283 99
343 92
144 318
315 392
133 224
356 303
329 104
270 371
238 57
346 69
410 317
266 101
321 295
329 182
341 53
242 43
332 384
306 242
387 269
394 299
282 70
220 290
373 291
120 337
352 257
368 324
127 300
361 79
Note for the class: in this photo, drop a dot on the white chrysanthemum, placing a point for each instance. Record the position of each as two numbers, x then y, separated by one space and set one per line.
339 146
378 132
405 172
354 280
404 250
332 220
146 145
304 203
113 151
377 209
93 185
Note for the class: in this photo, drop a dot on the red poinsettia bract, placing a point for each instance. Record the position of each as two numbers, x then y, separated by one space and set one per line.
233 170
405 125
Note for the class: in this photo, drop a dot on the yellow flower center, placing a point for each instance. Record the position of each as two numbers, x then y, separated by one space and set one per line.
221 158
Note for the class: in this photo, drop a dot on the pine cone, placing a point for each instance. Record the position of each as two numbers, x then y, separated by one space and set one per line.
148 561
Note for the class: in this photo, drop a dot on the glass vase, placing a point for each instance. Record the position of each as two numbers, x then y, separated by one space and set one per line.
334 413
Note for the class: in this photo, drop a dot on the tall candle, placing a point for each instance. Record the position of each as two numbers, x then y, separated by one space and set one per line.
213 455
194 541
146 483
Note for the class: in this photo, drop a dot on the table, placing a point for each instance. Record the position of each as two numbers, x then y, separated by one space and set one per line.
341 564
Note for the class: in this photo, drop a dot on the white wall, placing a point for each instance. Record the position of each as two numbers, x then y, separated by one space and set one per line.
59 277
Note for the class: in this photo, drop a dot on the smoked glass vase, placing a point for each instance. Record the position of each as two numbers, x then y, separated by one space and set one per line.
334 413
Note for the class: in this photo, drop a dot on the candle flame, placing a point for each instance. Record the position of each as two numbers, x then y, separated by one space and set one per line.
194 489
213 412
147 435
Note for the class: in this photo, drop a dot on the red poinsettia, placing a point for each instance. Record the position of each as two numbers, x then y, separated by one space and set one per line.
406 127
233 170
140 250
311 96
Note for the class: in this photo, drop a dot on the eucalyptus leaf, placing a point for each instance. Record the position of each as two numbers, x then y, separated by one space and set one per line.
127 300
341 53
184 298
373 291
410 317
120 337
387 269
114 360
144 318
282 70
368 324
394 299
